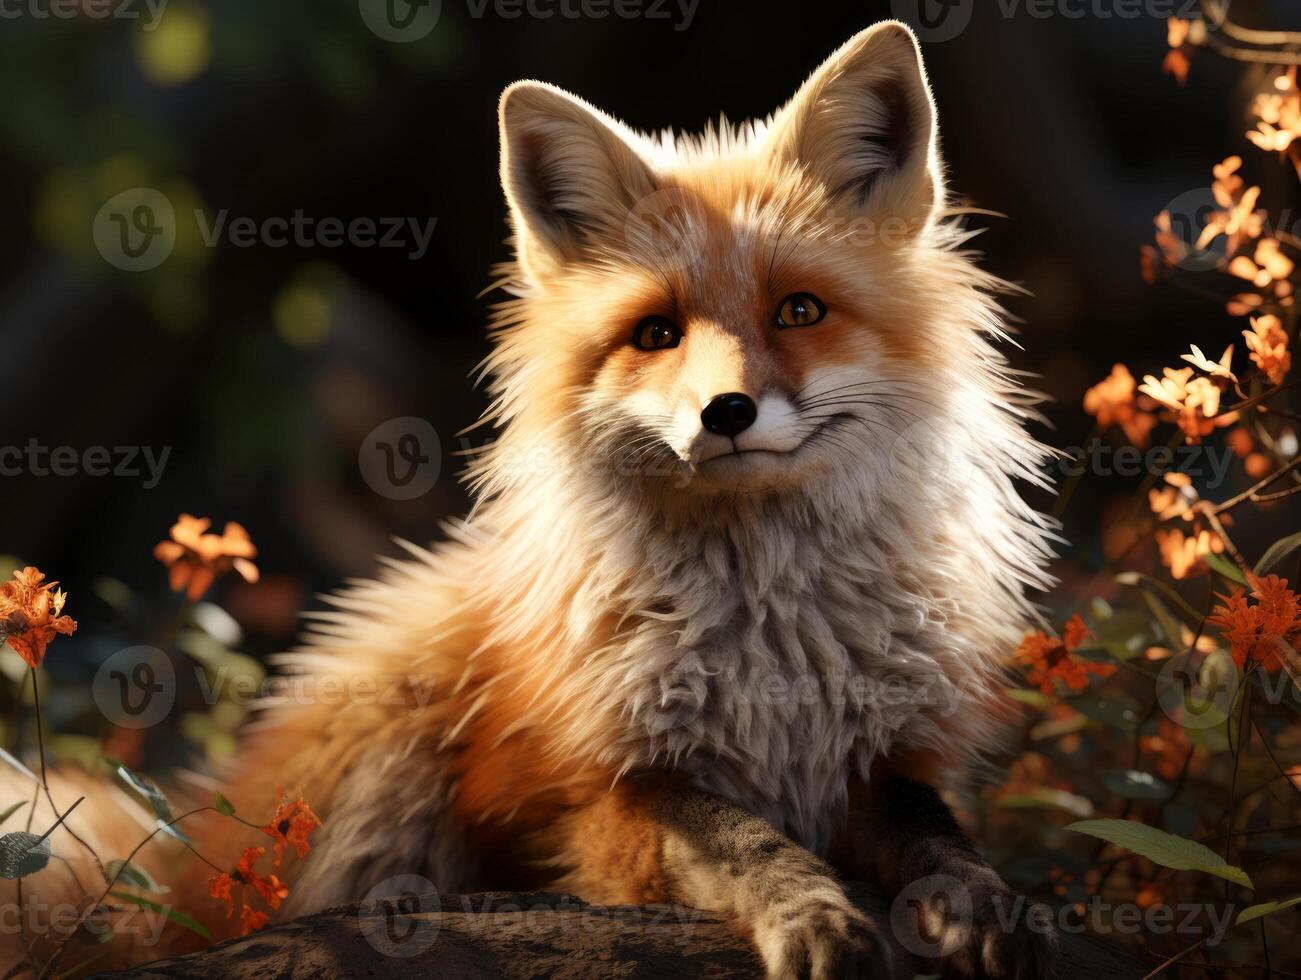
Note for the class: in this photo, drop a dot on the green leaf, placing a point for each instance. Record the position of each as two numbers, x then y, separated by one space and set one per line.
223 805
1124 635
1225 567
1048 798
1135 785
1164 849
145 786
1036 699
129 874
153 796
1157 586
1253 912
180 918
1278 552
9 811
23 854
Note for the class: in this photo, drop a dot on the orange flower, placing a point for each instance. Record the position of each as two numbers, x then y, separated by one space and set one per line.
1193 403
1215 369
1266 632
1050 659
1113 401
1279 117
250 920
1181 35
31 614
1183 554
1238 219
196 559
1267 342
1173 500
220 887
1270 265
290 825
272 890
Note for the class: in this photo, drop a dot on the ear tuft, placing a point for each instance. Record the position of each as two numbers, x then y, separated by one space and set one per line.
571 175
864 126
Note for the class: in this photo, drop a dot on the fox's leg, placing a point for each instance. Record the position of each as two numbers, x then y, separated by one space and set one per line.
905 838
644 843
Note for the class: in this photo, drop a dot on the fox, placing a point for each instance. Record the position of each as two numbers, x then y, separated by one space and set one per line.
747 559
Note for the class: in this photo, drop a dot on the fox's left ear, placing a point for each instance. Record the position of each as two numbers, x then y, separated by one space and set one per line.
864 126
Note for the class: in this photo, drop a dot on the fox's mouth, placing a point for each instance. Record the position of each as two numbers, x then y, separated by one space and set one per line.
741 465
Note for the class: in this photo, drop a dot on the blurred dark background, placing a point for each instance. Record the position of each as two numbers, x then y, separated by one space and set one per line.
263 368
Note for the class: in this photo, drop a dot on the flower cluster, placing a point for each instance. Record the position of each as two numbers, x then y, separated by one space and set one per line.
1265 631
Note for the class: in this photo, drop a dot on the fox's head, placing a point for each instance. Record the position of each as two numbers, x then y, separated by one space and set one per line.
752 310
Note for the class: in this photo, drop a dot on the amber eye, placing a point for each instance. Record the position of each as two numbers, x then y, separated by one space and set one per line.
656 333
800 310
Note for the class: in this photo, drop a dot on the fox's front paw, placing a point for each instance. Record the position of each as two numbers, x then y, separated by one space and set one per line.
820 935
972 926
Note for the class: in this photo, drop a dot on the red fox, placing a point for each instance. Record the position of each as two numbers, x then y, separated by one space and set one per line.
746 562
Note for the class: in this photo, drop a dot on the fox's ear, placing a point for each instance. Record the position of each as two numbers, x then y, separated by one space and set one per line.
864 126
571 175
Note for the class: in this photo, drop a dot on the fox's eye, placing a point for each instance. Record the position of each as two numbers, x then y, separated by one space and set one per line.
800 310
656 333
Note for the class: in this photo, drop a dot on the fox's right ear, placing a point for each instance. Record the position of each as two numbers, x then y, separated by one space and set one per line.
571 175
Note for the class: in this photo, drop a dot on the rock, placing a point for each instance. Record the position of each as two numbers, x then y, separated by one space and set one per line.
516 936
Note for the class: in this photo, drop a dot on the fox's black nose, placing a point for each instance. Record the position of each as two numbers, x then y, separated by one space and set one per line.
730 414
